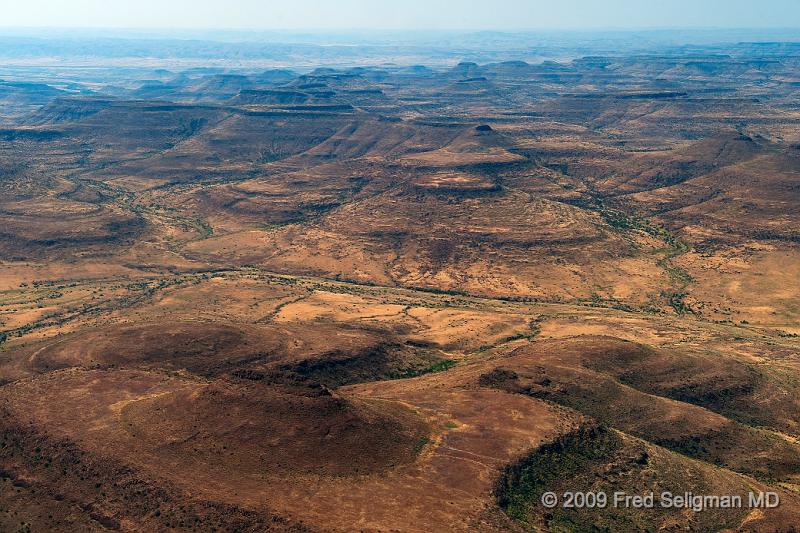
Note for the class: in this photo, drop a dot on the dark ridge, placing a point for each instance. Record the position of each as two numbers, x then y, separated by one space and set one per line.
654 95
29 134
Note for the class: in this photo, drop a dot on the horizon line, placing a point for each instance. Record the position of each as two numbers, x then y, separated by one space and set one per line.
409 30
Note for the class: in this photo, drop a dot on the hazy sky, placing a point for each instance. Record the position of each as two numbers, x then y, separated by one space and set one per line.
400 14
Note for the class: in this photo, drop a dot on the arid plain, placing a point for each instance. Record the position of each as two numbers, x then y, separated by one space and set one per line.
392 298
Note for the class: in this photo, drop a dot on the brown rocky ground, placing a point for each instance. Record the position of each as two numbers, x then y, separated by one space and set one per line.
388 299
